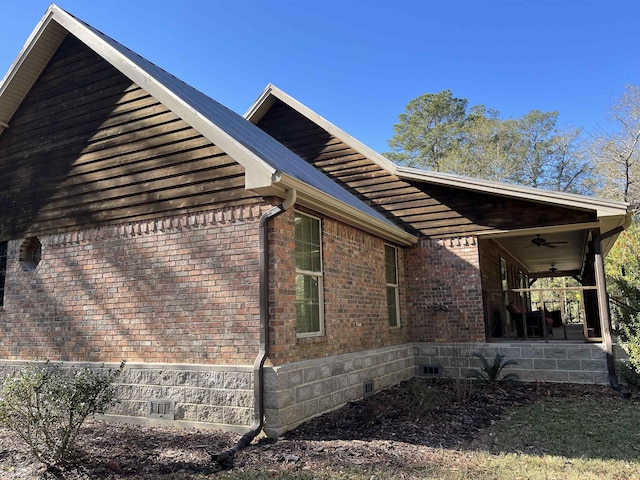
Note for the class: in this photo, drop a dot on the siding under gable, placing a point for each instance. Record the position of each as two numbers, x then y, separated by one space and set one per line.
88 147
424 209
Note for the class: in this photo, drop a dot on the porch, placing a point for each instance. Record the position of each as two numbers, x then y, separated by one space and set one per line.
557 313
547 284
546 305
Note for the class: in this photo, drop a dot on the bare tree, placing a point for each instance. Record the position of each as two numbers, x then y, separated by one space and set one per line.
617 152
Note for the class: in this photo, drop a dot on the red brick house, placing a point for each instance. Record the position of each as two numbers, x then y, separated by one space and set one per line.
260 267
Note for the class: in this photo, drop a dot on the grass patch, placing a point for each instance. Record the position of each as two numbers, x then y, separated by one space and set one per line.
456 465
594 428
559 438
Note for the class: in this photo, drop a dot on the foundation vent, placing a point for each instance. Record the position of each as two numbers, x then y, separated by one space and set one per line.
430 371
367 389
164 409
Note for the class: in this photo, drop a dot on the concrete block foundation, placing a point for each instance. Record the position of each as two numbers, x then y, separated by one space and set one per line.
222 396
537 362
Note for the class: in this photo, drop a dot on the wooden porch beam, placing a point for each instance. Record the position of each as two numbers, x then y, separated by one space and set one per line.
603 302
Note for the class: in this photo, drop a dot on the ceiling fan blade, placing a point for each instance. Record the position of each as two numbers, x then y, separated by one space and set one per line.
538 241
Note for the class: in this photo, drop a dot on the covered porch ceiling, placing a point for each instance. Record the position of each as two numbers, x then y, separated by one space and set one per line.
550 253
559 250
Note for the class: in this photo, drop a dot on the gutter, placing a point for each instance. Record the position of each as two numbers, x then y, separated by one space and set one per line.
263 353
365 218
603 207
603 305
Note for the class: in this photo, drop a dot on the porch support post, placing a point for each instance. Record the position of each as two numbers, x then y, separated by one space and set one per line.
603 302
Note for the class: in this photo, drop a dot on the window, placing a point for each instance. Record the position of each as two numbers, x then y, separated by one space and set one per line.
391 274
309 299
30 254
3 269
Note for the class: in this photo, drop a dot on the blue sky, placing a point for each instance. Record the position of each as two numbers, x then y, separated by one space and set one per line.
358 63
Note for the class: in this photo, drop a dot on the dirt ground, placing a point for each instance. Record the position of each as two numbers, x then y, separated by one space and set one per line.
399 428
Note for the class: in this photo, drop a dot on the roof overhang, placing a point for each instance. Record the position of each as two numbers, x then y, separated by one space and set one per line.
571 240
28 65
320 202
603 207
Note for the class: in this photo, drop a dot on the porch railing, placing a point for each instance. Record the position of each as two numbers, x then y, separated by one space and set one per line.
568 301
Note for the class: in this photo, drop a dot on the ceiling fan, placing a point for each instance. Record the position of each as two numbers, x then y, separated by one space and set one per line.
538 241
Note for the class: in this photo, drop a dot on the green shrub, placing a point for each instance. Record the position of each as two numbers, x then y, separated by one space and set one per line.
46 405
628 375
492 372
630 342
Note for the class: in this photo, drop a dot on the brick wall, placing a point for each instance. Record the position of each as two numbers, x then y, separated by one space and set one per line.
444 290
173 290
355 309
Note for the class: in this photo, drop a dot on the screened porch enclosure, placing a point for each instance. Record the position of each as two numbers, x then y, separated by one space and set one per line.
556 292
554 313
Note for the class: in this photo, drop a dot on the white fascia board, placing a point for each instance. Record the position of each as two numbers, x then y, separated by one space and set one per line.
258 172
256 111
608 224
44 40
532 231
601 206
261 105
321 202
26 49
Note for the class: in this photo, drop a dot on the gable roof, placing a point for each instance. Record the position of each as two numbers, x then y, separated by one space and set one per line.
270 168
443 205
603 207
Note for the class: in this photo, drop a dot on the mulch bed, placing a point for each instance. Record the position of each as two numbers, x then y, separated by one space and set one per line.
397 429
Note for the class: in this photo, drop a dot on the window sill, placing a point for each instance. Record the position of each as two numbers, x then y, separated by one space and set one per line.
311 339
